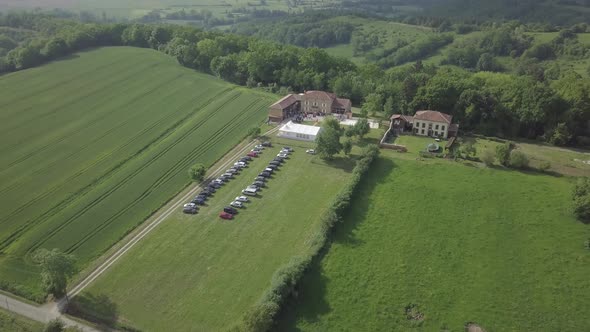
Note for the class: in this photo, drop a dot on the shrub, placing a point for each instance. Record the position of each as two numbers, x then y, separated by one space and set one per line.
503 153
519 160
284 281
54 325
488 157
544 166
582 187
582 208
197 172
254 132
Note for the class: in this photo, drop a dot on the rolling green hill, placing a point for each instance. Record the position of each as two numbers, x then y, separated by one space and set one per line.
91 146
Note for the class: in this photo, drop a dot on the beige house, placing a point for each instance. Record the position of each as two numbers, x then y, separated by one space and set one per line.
309 102
425 123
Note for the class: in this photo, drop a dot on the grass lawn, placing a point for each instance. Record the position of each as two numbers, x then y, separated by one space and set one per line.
199 272
92 145
10 322
463 244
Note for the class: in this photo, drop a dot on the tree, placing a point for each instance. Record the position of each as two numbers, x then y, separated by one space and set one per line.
361 127
197 172
373 104
518 159
350 131
347 147
503 153
389 107
561 135
328 141
468 149
56 268
54 325
488 157
582 208
254 132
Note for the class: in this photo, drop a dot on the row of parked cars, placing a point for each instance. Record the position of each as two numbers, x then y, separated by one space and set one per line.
260 180
193 206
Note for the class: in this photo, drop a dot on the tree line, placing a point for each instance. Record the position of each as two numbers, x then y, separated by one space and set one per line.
500 104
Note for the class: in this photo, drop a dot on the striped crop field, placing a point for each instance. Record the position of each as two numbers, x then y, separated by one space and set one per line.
91 146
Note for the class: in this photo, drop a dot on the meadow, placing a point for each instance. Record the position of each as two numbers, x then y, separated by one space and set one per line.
93 145
15 323
200 272
435 244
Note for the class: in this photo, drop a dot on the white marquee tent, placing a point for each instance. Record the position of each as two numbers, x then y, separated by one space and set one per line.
298 131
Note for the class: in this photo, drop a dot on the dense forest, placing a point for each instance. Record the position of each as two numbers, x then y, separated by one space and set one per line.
529 105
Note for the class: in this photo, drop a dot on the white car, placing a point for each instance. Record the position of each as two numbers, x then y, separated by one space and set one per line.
236 204
242 199
240 164
310 151
268 169
283 155
189 205
259 147
219 181
249 192
285 151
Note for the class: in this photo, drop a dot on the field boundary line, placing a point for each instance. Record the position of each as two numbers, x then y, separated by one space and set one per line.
168 210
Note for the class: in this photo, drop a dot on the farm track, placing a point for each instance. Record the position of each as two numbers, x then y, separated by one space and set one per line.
79 194
150 226
127 179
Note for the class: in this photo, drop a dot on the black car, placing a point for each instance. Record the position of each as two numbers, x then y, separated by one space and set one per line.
246 159
203 197
264 174
210 189
190 210
230 209
275 162
225 177
260 178
267 144
214 185
198 201
259 184
271 166
279 160
205 193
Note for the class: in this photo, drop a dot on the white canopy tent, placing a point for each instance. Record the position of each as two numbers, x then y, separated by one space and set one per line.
298 131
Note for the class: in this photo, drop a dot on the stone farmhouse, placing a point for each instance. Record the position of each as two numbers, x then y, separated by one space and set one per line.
316 102
425 123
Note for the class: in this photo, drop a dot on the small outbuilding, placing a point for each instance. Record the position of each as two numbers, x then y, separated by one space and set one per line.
298 131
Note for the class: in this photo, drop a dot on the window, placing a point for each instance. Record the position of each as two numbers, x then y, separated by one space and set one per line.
436 127
436 133
443 128
423 125
417 124
422 131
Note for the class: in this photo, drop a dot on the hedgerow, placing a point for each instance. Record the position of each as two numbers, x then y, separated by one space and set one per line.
284 281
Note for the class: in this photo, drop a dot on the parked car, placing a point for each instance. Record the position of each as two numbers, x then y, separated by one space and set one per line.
249 192
285 151
252 154
205 193
241 164
252 187
242 199
259 184
210 189
198 201
190 210
215 185
275 162
273 167
246 158
230 209
219 181
233 171
259 146
237 204
260 178
288 148
310 151
268 169
191 204
266 144
279 160
228 175
202 197
283 155
225 215
264 174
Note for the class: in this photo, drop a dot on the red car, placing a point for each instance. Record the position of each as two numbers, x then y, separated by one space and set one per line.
252 154
225 215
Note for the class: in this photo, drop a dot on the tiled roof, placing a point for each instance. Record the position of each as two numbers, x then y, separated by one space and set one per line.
342 102
407 118
433 116
320 94
285 102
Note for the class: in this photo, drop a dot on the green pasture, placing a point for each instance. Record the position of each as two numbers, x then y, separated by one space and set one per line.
457 242
202 273
91 146
16 323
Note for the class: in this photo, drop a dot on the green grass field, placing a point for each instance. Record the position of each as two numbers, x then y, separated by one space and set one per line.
15 323
200 272
465 244
91 146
